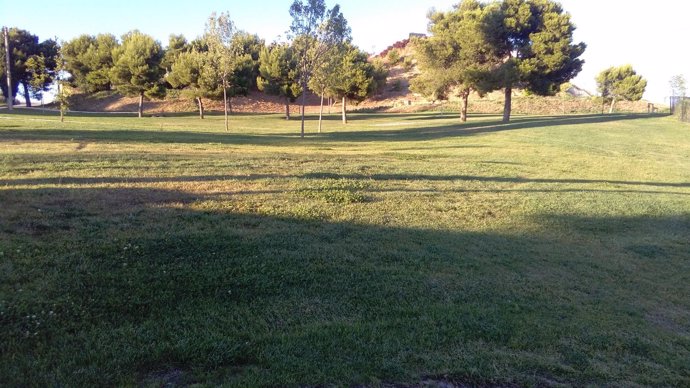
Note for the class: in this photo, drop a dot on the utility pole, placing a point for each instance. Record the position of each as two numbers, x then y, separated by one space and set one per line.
9 97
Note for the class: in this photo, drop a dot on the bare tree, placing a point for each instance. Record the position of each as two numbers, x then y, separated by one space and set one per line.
315 30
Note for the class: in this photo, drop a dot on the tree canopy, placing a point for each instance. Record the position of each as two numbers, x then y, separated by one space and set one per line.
353 76
32 63
536 39
137 67
459 55
620 83
278 73
194 73
89 59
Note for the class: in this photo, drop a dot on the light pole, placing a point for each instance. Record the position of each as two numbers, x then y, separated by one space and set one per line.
10 99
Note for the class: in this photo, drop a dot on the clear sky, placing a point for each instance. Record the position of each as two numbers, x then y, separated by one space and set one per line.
652 36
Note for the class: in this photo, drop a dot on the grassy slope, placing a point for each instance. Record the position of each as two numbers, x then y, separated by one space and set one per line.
401 247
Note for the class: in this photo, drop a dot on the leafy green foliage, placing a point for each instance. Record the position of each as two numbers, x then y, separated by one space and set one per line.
620 83
32 63
177 44
41 76
379 74
354 77
459 55
537 38
247 47
278 73
62 91
196 74
393 57
137 66
89 59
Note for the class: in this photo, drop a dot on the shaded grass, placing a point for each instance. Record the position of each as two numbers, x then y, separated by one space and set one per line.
389 253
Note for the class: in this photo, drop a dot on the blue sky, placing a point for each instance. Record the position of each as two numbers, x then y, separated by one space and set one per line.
647 35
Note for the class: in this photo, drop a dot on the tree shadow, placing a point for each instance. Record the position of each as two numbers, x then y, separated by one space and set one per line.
480 178
130 281
475 128
328 175
424 133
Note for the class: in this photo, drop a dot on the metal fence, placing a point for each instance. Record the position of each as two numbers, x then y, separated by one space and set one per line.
680 107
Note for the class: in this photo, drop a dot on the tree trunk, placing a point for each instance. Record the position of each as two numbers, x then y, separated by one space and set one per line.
225 108
329 105
200 103
507 107
613 102
61 102
230 104
8 96
141 105
344 110
27 95
321 113
287 108
463 108
304 102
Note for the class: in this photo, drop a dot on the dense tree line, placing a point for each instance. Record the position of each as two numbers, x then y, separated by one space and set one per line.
475 47
221 64
32 64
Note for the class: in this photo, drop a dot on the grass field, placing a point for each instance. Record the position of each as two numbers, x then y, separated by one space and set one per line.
399 249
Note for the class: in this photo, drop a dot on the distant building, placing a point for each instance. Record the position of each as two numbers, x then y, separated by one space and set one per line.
575 91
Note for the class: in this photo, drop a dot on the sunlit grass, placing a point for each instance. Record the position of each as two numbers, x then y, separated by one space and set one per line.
396 249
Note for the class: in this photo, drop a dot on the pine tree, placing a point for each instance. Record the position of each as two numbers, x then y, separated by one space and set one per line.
536 39
195 74
354 77
137 67
278 74
459 55
89 59
620 83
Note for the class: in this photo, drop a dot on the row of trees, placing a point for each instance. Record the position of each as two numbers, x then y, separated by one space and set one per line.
476 47
221 64
505 44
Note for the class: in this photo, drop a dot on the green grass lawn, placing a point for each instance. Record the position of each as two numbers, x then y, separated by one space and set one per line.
399 249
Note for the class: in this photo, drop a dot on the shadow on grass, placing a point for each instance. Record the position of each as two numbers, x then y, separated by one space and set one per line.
475 128
429 132
327 175
113 286
38 111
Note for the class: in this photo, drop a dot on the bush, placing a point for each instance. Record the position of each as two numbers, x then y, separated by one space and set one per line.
408 63
393 57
